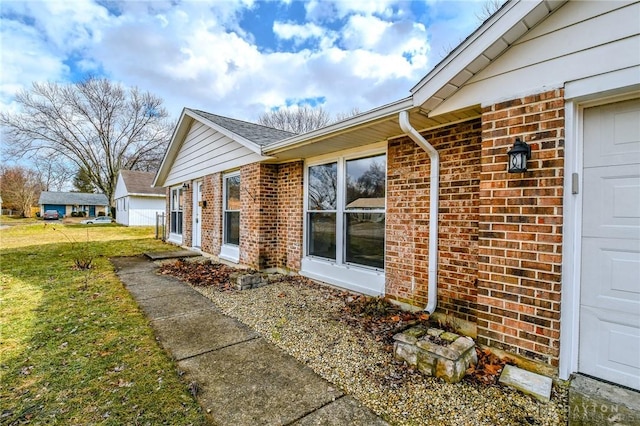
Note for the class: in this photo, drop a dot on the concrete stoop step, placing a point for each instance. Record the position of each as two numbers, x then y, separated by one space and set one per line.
594 402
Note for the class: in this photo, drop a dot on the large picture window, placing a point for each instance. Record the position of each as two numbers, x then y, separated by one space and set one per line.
177 207
231 209
346 211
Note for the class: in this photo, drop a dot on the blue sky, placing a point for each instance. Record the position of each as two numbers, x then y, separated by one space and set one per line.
235 58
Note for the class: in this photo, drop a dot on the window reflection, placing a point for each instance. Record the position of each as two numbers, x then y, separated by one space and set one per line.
365 239
365 183
231 214
323 187
322 235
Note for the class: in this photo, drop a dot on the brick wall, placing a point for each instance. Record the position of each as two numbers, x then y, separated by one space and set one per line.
212 214
407 234
521 228
271 218
290 215
259 215
187 221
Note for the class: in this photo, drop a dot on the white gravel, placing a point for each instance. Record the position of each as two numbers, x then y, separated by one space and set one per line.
303 321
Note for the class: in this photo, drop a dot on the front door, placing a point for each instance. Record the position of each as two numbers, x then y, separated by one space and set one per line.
197 215
610 269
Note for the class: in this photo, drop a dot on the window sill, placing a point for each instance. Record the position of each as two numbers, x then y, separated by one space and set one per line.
354 278
175 239
230 253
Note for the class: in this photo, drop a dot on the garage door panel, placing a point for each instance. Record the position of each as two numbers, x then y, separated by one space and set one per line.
613 197
611 134
609 338
614 280
60 208
613 348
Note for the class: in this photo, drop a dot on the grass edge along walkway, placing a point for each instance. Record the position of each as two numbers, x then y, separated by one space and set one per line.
74 346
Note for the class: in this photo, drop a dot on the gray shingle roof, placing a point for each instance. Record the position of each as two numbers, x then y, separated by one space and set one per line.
140 182
256 133
73 198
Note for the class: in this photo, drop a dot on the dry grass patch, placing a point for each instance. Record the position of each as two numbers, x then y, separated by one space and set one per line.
75 347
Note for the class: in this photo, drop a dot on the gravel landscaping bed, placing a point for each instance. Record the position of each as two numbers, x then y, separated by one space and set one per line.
306 320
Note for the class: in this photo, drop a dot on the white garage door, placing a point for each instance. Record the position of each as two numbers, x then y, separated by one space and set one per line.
610 278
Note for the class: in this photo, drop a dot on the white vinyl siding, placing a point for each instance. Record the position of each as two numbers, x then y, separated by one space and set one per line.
206 151
141 211
580 40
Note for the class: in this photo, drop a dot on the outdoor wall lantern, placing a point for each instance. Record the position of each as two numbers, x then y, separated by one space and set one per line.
518 156
185 186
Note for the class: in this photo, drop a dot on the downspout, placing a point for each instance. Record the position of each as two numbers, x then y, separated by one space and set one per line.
434 181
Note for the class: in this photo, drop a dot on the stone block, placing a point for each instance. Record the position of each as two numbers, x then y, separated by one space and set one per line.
533 384
448 360
426 362
451 371
406 352
449 337
248 281
435 332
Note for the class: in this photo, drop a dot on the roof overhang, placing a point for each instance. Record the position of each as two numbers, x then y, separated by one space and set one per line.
374 126
481 48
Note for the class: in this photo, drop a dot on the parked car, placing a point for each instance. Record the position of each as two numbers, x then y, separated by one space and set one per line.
97 220
51 215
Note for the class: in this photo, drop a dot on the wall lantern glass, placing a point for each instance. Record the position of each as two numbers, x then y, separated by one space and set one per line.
518 156
185 186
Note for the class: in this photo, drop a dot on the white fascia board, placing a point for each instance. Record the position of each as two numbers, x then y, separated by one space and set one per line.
135 194
484 41
228 133
357 121
170 154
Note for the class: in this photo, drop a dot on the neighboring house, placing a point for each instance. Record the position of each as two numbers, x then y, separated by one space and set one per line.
67 203
137 202
498 253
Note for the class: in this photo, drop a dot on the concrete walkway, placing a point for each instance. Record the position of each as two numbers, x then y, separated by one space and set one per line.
241 378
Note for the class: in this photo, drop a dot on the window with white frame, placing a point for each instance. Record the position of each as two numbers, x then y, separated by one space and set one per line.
231 209
177 206
346 211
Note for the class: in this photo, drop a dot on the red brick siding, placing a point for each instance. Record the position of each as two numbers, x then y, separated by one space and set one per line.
290 215
407 234
520 239
259 215
212 214
187 224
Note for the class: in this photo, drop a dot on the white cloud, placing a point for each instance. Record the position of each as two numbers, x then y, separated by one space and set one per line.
196 54
318 10
297 32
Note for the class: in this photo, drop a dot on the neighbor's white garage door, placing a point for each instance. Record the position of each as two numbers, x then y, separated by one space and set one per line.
610 278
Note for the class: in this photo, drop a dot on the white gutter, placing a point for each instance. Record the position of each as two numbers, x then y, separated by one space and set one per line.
434 181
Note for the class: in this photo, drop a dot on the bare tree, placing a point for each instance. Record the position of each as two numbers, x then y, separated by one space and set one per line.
346 115
95 124
52 172
298 119
489 7
20 189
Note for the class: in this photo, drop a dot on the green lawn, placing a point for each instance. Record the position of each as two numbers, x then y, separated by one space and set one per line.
74 346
